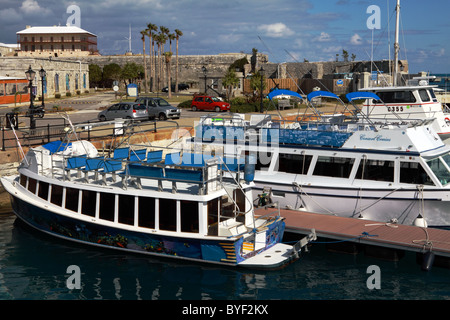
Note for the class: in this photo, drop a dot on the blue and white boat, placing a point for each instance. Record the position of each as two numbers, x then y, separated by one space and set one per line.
147 201
343 163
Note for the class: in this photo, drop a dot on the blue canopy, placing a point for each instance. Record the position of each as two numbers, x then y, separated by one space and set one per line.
56 146
279 92
324 94
361 95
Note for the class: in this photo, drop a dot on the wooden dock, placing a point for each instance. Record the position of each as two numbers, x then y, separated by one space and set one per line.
374 233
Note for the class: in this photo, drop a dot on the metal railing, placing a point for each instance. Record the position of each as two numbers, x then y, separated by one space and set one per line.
56 130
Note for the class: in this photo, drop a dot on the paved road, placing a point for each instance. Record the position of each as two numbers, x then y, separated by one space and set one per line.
85 108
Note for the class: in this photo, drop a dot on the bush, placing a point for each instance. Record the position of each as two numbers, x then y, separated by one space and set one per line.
68 94
185 104
57 95
240 105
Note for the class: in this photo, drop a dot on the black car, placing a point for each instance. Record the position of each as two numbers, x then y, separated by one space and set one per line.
181 87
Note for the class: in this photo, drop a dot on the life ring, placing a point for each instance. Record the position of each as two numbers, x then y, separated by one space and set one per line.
447 121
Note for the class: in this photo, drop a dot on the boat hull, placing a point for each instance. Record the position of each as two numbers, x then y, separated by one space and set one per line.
218 251
384 205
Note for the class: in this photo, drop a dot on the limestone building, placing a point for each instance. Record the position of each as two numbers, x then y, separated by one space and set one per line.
56 41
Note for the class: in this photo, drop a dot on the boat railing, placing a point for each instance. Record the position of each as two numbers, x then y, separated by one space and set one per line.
131 170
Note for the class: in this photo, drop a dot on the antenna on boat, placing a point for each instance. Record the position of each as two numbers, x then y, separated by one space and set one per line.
396 44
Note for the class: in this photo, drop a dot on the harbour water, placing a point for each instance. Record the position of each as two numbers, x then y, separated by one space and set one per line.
33 266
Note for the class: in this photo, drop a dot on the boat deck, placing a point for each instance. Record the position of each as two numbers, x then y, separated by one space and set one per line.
393 236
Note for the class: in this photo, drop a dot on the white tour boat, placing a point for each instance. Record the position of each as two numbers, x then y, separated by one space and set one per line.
341 164
408 103
415 100
137 201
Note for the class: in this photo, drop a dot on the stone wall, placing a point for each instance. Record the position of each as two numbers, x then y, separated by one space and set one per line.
63 72
189 66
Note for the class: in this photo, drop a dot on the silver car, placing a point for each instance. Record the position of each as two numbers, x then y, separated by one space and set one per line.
124 110
159 108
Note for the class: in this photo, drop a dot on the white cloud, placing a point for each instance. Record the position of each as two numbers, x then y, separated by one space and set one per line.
9 15
276 30
356 39
32 7
324 37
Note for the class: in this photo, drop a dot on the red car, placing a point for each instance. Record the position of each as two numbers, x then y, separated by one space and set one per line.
209 103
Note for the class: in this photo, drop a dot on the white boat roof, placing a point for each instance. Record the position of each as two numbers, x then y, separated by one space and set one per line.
399 88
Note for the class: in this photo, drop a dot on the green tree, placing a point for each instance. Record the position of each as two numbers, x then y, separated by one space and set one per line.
131 72
95 74
345 55
111 72
239 64
255 84
229 81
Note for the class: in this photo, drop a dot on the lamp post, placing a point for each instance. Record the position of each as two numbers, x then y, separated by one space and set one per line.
43 74
204 74
261 73
30 74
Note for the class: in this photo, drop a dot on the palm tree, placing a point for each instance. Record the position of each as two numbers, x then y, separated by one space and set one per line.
156 37
171 37
144 33
168 56
162 39
178 34
151 28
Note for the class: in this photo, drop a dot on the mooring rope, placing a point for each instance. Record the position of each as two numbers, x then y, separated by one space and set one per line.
363 235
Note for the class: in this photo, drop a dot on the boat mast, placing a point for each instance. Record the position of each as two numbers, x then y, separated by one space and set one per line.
396 45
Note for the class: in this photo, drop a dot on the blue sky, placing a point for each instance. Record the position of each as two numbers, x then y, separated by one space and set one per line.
286 30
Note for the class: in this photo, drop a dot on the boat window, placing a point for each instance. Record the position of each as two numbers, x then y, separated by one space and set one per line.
88 202
72 196
333 167
23 180
168 214
107 206
189 216
432 95
263 160
213 217
294 163
413 172
43 190
440 170
146 212
126 209
424 95
396 96
57 195
32 185
378 170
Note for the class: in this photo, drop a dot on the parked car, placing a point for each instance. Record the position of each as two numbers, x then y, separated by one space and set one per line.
209 103
124 110
181 87
159 108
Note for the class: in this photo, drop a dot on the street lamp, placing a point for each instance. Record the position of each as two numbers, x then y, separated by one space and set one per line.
43 74
261 73
204 74
30 74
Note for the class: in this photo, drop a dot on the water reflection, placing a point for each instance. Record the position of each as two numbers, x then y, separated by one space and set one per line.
33 266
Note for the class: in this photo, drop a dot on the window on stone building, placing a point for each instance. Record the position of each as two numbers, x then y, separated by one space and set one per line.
56 83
